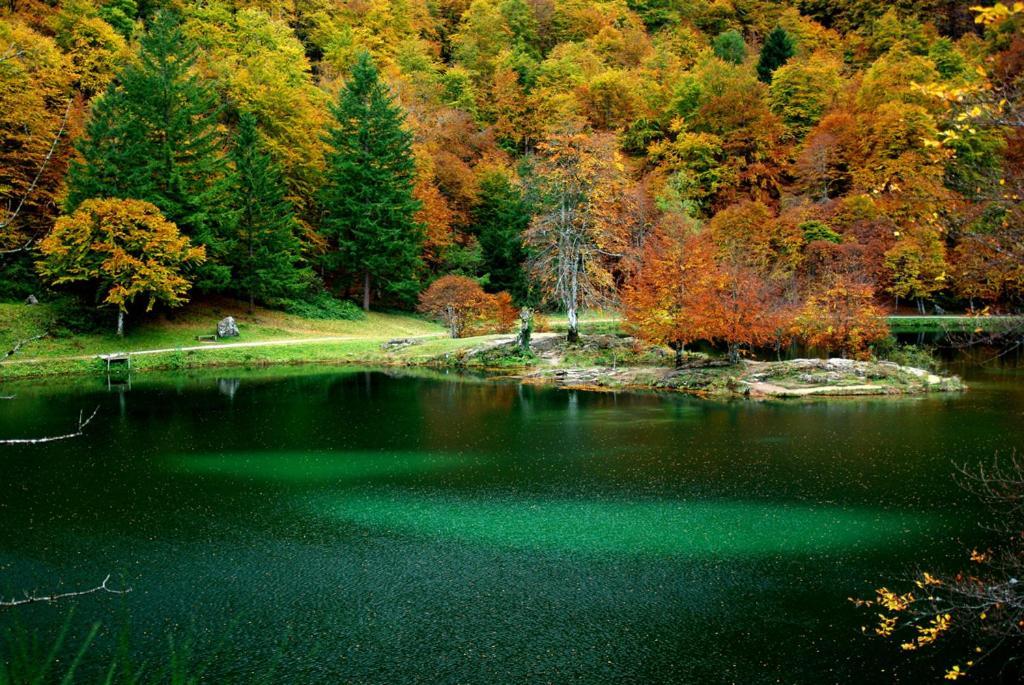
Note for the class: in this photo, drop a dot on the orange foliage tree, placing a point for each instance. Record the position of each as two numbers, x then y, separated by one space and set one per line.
842 317
733 304
462 305
657 300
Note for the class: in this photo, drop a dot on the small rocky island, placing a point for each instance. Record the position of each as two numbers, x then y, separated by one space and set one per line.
608 362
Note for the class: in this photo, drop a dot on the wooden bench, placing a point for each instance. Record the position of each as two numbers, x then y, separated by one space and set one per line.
206 338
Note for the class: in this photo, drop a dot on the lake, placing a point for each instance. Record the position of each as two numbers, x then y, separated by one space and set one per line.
335 525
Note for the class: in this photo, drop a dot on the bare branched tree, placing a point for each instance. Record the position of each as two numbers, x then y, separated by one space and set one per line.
578 237
14 208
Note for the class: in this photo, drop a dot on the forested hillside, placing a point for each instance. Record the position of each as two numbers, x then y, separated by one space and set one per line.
738 170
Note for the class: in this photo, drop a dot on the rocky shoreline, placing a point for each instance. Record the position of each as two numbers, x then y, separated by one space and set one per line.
634 367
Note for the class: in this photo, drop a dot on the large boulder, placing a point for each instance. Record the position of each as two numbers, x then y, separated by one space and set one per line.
31 299
227 328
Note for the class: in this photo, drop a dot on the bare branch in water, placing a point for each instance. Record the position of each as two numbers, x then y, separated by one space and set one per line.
34 441
31 599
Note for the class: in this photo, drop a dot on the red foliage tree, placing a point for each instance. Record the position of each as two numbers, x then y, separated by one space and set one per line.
463 306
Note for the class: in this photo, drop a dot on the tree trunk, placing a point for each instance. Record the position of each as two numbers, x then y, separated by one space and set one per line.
120 323
525 329
574 326
453 321
678 348
252 302
734 353
366 291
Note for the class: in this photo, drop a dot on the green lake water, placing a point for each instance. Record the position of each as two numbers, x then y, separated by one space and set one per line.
333 525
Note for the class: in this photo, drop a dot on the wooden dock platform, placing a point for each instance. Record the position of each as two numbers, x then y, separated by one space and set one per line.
117 358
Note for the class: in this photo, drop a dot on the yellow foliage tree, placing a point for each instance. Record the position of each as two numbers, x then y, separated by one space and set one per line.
126 248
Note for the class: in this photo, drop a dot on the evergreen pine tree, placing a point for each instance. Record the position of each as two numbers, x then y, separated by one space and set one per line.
152 136
729 46
121 15
500 218
265 251
777 50
367 198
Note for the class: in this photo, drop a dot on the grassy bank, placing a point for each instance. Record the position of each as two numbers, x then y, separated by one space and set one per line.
611 323
954 324
273 338
180 328
279 338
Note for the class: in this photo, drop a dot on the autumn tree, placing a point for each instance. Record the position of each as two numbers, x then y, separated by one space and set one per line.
842 317
748 232
658 302
728 102
265 250
460 303
822 166
732 304
917 266
368 204
93 47
575 239
254 61
35 104
152 135
803 90
125 249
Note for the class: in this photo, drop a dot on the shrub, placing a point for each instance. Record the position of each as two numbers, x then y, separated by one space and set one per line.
323 307
907 355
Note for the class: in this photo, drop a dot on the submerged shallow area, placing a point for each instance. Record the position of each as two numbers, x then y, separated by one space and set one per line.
385 526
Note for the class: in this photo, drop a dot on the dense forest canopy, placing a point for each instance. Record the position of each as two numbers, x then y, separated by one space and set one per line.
828 156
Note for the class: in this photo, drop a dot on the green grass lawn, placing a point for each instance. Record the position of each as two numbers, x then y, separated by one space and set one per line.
179 329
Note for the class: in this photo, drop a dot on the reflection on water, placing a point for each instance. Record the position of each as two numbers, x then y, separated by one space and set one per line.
397 527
